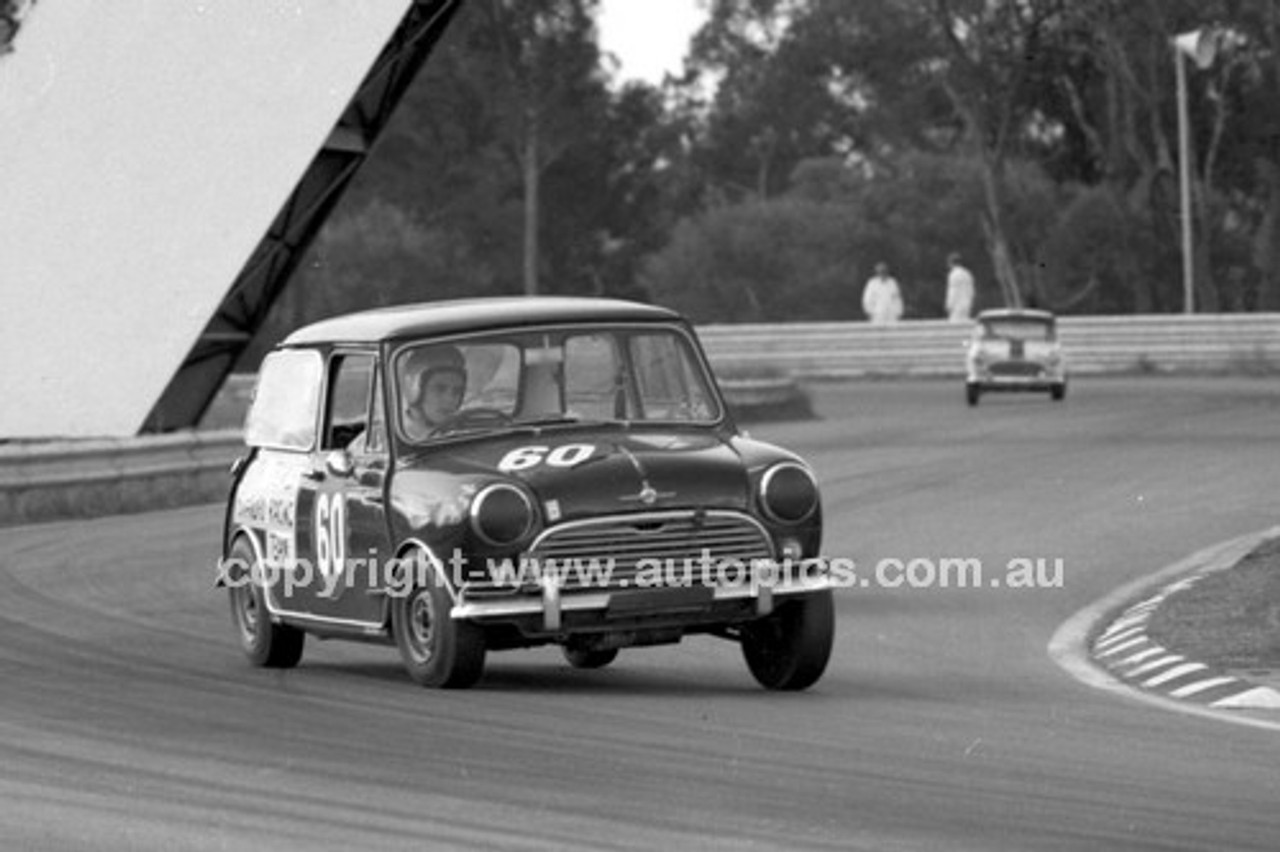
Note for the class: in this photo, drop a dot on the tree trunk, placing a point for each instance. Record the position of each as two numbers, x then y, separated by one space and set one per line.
1266 244
531 206
997 242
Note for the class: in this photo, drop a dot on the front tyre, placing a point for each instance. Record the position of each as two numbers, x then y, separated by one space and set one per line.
266 644
789 649
437 650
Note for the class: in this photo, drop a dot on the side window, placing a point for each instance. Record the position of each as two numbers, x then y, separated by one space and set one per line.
347 414
285 401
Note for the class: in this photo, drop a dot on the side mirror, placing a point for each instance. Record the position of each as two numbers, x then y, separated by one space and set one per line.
338 463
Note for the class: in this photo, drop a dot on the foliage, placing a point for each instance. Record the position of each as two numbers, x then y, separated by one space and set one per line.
810 138
1083 88
761 261
806 254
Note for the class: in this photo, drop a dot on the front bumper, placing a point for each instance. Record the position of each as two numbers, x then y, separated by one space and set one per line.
1015 376
549 603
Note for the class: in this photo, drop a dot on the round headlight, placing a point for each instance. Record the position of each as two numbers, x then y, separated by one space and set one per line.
501 515
788 494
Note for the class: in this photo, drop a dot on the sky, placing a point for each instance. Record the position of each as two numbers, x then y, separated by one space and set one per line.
649 37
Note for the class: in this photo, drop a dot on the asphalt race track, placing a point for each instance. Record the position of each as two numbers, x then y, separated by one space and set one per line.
129 719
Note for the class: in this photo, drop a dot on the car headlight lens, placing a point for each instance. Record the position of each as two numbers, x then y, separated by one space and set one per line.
788 493
501 515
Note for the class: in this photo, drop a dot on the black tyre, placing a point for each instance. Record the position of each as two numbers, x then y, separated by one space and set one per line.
584 658
1058 392
437 650
266 644
789 649
972 393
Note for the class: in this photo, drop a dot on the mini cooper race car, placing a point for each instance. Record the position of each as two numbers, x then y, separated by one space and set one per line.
471 476
1014 350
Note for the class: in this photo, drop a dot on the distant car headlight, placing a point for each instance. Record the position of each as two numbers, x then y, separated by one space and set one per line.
502 515
788 493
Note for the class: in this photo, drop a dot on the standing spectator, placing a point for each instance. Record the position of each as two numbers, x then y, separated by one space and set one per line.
881 298
959 290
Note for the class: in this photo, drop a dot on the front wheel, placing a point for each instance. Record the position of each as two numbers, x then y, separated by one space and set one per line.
972 393
789 649
1058 392
437 650
266 644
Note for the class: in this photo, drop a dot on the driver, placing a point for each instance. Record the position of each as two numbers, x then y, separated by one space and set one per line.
433 384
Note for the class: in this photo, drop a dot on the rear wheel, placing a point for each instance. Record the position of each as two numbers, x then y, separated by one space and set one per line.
789 649
972 393
266 644
437 650
1058 392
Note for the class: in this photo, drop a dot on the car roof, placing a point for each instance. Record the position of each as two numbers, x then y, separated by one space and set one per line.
1016 313
427 319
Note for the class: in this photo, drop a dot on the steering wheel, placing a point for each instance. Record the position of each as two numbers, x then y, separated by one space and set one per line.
473 418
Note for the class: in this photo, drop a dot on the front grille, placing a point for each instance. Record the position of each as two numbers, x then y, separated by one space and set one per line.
635 550
1015 368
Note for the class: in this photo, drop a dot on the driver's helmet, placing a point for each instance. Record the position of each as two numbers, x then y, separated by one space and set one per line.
421 364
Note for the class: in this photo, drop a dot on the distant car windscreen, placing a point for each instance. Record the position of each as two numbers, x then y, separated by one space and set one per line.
1019 329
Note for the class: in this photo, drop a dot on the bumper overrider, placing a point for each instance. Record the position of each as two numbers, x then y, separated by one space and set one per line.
548 605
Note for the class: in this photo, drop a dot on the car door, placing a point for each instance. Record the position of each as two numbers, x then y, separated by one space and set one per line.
347 529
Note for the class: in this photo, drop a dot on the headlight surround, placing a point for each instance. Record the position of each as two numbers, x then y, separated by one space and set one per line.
502 515
788 493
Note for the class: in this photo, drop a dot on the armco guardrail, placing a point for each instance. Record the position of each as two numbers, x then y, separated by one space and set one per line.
67 479
1162 343
42 480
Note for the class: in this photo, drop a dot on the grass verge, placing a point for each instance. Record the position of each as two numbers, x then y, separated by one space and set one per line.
1229 618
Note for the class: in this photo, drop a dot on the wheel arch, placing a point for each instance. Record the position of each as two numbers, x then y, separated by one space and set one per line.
236 534
255 544
409 545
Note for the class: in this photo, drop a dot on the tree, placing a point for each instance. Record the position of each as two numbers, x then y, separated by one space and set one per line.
545 87
806 253
729 265
456 161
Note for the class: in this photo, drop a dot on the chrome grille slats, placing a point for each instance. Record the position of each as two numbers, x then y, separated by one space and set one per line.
621 547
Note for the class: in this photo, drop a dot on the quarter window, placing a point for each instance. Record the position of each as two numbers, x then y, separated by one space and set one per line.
285 401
